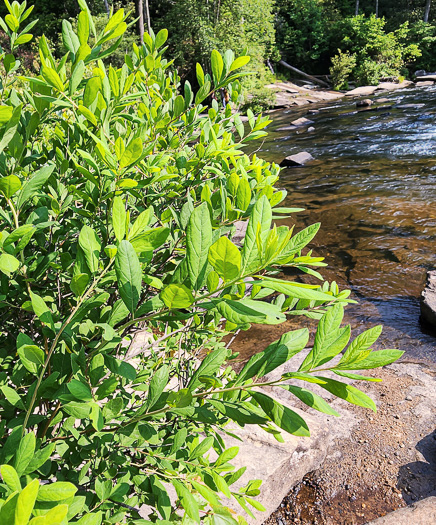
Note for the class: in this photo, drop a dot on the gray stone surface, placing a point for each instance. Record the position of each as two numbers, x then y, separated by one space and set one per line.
361 91
279 465
428 299
299 159
426 77
425 83
421 513
303 121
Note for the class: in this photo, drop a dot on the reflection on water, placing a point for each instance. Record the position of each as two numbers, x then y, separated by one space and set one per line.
373 188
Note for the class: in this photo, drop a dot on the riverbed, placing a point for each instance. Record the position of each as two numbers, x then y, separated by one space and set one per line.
372 186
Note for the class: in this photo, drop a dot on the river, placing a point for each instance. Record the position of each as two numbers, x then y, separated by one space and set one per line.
372 186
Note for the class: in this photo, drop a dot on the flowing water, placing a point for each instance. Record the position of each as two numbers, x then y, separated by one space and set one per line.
373 188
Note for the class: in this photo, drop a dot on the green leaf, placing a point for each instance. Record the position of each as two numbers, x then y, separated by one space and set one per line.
69 38
58 491
119 216
299 241
243 194
41 309
202 93
5 114
356 377
198 242
40 457
32 353
225 258
201 448
373 360
90 244
242 413
347 392
329 339
93 86
25 452
7 511
12 397
51 76
177 296
150 240
282 416
77 410
187 500
79 283
91 519
361 343
32 185
129 275
10 130
209 366
8 264
9 185
260 214
83 27
76 76
132 153
79 390
157 385
294 289
217 66
10 477
249 311
310 399
239 62
221 484
161 38
87 114
25 503
274 355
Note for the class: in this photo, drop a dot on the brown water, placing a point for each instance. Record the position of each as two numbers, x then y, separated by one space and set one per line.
373 188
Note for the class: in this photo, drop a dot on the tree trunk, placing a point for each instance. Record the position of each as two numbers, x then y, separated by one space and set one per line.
106 6
357 8
147 16
376 8
427 10
310 77
139 8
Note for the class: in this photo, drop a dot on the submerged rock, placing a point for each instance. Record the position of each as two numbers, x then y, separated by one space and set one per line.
364 103
299 159
302 122
428 299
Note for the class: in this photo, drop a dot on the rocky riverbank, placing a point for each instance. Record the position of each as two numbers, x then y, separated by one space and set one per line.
289 94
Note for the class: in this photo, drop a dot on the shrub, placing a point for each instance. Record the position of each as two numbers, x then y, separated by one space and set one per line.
120 196
342 65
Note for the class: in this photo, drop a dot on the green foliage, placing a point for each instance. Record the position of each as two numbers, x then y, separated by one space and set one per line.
379 55
120 193
342 65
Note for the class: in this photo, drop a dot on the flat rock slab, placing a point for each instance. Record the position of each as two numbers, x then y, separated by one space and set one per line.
362 91
300 159
426 77
428 299
425 83
279 465
421 513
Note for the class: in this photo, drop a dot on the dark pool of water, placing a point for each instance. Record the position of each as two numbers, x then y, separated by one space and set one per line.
373 188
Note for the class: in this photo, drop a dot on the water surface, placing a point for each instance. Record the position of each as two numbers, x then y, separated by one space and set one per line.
373 188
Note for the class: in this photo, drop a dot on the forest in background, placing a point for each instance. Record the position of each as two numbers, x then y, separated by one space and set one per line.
364 41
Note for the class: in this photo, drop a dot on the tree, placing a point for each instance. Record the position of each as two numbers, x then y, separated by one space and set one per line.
427 10
139 12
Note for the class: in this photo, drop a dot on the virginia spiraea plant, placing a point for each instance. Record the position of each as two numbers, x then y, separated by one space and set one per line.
121 192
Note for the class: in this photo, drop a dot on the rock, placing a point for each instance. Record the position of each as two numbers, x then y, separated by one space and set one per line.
391 86
424 84
420 73
421 513
279 465
409 106
309 130
383 100
428 299
313 112
302 122
426 77
364 103
287 128
299 159
361 91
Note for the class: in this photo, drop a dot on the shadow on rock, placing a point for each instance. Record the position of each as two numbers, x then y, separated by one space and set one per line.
417 480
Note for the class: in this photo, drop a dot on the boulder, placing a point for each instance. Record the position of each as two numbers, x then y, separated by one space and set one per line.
426 77
390 86
280 466
300 159
361 91
364 103
428 299
421 513
302 122
425 83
